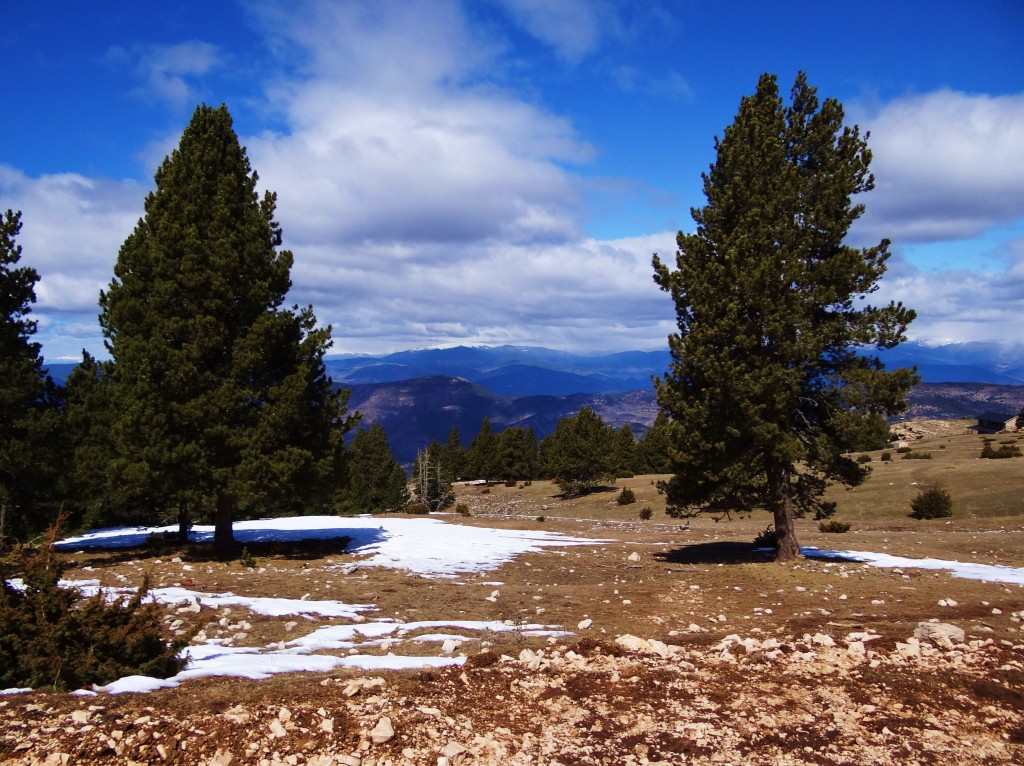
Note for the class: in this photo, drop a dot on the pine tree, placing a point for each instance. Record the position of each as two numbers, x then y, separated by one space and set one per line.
580 453
655 448
517 454
765 384
30 453
221 394
483 458
374 484
454 454
626 459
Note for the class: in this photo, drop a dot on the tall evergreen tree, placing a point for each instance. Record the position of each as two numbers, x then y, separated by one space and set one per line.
29 401
655 448
580 453
376 482
764 382
483 460
454 455
221 394
517 454
626 455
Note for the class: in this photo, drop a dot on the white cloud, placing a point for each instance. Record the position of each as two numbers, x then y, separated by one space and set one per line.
948 165
572 27
165 69
958 305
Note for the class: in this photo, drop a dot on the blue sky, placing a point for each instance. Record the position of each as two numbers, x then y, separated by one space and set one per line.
500 171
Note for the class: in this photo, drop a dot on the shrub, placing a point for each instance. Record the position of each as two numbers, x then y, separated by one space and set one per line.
902 450
53 637
541 519
246 559
832 526
917 456
419 509
462 509
766 539
886 456
626 496
864 459
510 483
1005 450
932 503
646 513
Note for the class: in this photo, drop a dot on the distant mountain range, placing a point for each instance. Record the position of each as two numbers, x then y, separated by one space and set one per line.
419 395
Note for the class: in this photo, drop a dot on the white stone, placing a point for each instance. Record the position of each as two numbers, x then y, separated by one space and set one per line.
634 556
940 633
382 732
585 624
633 643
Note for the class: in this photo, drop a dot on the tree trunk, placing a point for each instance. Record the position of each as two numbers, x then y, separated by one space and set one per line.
183 525
787 547
223 534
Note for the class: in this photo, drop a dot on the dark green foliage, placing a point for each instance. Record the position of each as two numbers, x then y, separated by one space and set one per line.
462 509
432 480
932 503
417 509
30 427
913 455
53 637
831 526
627 458
626 497
579 455
246 559
376 483
646 513
1004 451
654 451
483 460
886 456
864 458
222 403
765 386
766 538
518 454
455 454
902 450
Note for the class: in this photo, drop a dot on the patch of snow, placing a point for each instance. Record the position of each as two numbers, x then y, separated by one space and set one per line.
966 570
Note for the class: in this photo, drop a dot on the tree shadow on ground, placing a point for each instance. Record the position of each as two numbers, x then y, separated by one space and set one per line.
203 551
717 553
589 491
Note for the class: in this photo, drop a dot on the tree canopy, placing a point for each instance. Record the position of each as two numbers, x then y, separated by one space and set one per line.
221 395
580 453
29 401
766 383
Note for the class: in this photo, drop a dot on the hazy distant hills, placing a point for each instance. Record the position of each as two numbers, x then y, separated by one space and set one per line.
419 395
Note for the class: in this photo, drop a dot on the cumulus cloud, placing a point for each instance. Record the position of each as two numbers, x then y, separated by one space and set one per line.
165 69
72 228
948 165
959 305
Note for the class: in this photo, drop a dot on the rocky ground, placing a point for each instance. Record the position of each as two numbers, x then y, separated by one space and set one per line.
685 647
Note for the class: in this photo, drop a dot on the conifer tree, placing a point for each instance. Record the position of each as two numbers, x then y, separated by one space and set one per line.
454 454
764 384
221 394
376 481
655 448
580 453
483 458
29 401
625 452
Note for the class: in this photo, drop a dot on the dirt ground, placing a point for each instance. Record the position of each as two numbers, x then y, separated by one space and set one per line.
686 646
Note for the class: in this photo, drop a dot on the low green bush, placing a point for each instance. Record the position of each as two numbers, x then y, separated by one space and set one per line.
932 503
864 459
766 539
53 637
418 509
917 456
626 496
462 509
1006 450
831 526
886 456
646 513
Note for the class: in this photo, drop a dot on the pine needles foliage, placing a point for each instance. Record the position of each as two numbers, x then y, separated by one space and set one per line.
52 636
